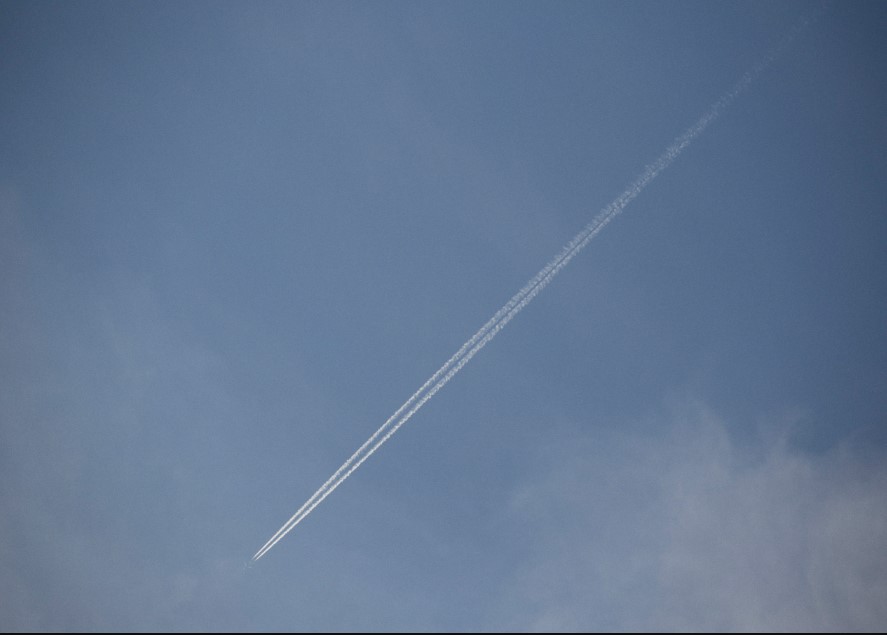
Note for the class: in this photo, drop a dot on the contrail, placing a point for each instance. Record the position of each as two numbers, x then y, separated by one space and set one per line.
505 310
529 291
457 356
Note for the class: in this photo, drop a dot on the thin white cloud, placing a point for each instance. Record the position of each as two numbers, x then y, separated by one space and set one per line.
696 531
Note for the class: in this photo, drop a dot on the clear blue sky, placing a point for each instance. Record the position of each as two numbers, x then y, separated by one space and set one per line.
235 237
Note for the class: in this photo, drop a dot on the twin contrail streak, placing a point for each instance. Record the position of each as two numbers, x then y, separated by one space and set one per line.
526 295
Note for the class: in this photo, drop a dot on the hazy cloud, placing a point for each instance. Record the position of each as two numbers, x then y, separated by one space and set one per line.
693 529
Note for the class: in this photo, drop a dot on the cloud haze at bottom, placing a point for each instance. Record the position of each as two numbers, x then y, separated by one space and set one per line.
677 526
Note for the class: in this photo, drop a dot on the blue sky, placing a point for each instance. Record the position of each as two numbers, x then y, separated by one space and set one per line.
235 237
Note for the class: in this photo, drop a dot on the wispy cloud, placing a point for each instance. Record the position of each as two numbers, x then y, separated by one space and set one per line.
690 529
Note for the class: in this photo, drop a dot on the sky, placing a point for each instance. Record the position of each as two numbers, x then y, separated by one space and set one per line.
236 237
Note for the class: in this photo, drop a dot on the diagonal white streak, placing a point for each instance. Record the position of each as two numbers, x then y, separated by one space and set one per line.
416 395
527 293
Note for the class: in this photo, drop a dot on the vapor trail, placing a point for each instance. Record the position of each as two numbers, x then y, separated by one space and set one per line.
505 310
528 292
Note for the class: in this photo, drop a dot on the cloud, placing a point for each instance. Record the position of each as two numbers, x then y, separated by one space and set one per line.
108 421
693 529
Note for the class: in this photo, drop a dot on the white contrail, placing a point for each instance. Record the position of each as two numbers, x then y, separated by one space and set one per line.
527 293
442 370
491 323
502 317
